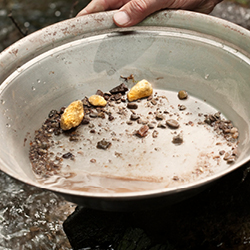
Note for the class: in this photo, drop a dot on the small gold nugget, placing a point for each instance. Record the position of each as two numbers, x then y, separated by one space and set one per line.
97 100
72 115
142 89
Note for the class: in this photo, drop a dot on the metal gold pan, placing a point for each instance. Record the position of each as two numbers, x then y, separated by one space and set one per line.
174 50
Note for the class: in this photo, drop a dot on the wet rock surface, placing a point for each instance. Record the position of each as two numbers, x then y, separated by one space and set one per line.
31 218
217 218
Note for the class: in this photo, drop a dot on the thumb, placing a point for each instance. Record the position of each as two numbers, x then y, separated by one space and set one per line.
135 11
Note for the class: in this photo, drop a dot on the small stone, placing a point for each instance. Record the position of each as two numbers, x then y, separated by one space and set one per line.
235 135
72 115
142 132
231 159
172 123
153 101
159 116
235 151
151 125
182 107
85 121
106 95
103 144
227 156
99 92
93 114
217 115
134 117
97 100
122 88
182 95
142 89
101 115
117 96
161 125
150 98
132 106
52 113
74 137
178 139
141 121
222 152
111 118
85 102
155 134
67 155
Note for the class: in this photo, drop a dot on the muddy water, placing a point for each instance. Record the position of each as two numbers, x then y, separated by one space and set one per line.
31 218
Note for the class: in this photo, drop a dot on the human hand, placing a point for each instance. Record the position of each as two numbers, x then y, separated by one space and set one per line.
132 12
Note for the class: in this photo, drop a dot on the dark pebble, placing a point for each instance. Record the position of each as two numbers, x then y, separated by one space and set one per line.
99 92
67 155
111 117
178 139
122 88
52 113
103 144
57 131
85 121
132 106
62 109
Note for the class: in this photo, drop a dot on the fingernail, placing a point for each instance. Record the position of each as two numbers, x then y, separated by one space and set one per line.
121 18
82 13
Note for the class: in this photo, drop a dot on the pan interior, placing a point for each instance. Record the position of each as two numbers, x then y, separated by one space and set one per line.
214 75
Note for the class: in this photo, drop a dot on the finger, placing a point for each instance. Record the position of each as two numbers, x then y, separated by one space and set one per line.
203 6
94 6
101 5
207 7
136 10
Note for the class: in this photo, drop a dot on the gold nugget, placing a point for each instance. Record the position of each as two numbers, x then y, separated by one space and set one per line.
142 89
97 100
72 115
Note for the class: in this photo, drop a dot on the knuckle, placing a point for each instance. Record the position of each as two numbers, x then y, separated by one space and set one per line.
139 6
